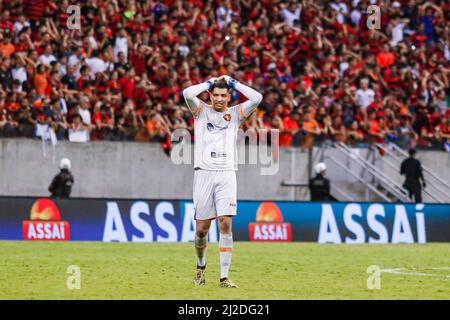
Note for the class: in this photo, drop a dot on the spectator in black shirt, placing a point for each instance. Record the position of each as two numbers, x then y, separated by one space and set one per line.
122 66
412 169
26 123
5 73
69 78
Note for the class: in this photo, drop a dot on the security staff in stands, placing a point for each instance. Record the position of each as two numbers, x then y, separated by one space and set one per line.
62 183
319 186
412 169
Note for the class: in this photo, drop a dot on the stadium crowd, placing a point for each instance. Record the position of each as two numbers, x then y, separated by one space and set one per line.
324 74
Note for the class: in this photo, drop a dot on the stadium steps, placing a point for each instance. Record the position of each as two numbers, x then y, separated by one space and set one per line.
436 191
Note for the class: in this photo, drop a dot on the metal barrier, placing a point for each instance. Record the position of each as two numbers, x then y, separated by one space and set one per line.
379 178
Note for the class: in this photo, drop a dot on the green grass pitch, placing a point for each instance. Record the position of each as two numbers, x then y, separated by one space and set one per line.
32 270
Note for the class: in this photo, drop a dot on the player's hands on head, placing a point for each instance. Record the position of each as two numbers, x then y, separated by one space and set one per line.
224 77
230 81
210 82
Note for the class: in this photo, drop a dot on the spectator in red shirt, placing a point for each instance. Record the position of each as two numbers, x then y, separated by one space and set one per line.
443 133
103 121
385 58
5 22
128 83
355 135
139 58
289 128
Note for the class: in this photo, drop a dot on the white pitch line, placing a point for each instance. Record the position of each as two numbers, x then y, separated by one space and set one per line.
400 271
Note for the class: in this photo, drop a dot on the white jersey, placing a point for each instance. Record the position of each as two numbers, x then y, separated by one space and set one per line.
216 137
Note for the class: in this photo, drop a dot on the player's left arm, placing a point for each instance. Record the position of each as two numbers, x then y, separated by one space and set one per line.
253 96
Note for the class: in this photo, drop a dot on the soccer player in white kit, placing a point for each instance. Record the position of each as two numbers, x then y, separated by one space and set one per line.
215 164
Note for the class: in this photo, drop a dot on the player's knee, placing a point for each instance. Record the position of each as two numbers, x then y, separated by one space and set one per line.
224 225
225 228
201 233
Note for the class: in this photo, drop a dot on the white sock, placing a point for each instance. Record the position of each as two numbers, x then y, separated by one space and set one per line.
226 250
200 250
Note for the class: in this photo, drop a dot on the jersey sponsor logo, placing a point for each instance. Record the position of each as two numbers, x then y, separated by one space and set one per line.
218 154
227 117
210 126
269 225
45 223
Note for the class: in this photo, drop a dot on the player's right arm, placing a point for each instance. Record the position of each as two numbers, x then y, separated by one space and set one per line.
190 94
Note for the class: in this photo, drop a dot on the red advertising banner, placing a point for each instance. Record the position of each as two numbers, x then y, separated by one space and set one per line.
269 225
270 231
45 223
46 230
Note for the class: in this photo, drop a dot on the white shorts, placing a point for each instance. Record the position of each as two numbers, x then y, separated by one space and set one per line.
215 194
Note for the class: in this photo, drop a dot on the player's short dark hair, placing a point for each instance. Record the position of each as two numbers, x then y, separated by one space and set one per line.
220 84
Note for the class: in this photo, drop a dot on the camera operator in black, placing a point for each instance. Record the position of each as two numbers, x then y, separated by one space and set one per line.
412 169
61 185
